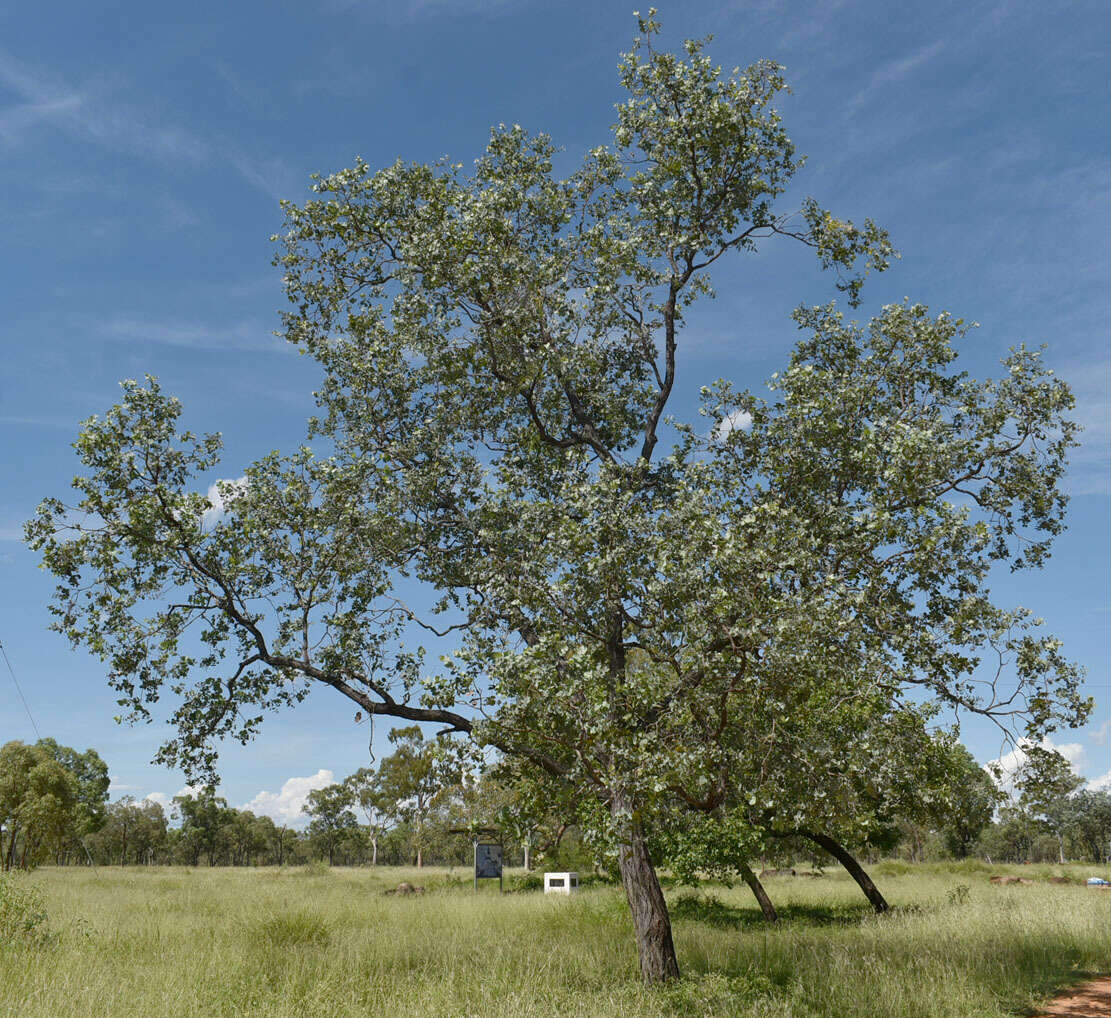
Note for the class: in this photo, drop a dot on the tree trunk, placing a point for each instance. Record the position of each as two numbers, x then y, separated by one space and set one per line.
420 857
527 863
374 852
757 889
13 834
651 921
841 854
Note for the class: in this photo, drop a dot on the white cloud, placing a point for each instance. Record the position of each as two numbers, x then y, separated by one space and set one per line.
220 501
285 807
738 420
167 801
1010 763
1100 784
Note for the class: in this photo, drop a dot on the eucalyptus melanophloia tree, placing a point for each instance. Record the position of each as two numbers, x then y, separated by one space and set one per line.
500 350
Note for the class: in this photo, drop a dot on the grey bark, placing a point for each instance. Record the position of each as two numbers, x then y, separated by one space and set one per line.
856 871
758 891
651 921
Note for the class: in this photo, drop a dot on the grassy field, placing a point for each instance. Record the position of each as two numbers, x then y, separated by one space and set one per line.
202 943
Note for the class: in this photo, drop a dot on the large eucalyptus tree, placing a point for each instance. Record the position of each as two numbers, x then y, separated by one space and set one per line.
500 350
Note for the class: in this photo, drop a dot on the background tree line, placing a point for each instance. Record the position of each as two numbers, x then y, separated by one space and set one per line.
418 806
421 803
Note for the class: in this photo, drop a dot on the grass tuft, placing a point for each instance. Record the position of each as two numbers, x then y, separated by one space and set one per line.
284 932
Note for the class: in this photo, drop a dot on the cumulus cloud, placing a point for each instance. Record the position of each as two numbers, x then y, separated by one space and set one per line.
738 420
220 501
1009 764
1100 784
285 807
167 801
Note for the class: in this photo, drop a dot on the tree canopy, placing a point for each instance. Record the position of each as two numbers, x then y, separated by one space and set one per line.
658 610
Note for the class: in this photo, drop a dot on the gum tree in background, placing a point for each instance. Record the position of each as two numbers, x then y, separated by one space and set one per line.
91 774
500 349
366 791
414 781
332 819
39 804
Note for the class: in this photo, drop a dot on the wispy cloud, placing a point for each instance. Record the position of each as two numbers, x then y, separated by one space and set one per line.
37 422
1090 465
97 114
413 9
246 335
893 73
119 786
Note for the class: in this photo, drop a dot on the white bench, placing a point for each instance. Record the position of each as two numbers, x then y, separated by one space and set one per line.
561 883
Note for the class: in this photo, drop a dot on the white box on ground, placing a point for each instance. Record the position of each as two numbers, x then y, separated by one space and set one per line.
561 883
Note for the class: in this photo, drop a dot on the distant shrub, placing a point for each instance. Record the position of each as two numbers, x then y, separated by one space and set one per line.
23 918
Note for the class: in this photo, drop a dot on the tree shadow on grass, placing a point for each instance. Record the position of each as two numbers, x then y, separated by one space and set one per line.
695 908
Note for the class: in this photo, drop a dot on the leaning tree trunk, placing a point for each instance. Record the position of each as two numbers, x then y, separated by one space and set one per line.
651 921
856 871
757 889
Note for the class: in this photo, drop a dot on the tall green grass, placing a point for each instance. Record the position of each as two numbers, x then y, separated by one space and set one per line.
269 943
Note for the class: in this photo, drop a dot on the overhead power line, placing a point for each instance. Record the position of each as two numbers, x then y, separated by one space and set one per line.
11 672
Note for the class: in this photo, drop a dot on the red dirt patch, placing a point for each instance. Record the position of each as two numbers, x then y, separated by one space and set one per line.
1089 1000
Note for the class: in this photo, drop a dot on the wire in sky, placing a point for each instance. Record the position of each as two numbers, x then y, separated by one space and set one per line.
11 672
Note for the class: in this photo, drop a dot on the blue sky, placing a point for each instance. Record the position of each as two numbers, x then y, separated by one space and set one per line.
144 147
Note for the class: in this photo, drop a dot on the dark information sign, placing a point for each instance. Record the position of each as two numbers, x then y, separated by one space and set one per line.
487 861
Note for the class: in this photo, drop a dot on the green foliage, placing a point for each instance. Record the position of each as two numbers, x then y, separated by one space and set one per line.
39 804
330 809
91 774
757 623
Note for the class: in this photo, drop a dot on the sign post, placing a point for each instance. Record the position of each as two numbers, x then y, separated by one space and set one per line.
487 863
